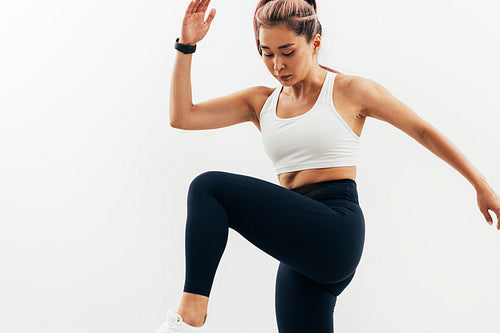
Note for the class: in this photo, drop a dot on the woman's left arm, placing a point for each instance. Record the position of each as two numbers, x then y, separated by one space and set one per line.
441 146
377 102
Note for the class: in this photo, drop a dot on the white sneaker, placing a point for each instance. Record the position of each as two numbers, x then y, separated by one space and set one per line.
175 324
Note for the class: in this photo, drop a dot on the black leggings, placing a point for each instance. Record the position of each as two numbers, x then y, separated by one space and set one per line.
316 231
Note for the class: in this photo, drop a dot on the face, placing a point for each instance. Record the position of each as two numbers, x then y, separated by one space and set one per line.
286 54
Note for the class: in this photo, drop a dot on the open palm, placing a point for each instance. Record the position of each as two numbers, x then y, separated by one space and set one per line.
194 26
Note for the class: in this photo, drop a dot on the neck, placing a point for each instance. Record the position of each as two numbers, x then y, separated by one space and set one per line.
311 83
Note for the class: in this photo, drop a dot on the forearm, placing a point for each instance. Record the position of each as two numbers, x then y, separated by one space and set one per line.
181 100
442 147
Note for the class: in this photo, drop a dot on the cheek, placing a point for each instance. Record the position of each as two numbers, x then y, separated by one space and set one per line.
268 62
299 58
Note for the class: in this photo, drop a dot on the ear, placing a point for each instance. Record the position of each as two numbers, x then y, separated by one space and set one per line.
316 42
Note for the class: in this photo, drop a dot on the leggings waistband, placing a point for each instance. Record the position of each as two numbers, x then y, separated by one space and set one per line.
304 189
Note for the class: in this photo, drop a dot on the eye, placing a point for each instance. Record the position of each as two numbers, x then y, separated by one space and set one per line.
285 54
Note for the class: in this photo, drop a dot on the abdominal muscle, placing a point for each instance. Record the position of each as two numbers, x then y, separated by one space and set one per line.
295 179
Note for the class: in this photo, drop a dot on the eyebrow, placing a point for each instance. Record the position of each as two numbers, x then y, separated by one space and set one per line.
279 47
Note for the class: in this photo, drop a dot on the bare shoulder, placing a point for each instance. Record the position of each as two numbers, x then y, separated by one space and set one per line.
357 90
346 85
346 95
374 100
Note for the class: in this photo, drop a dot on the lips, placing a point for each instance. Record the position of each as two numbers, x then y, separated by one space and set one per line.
285 76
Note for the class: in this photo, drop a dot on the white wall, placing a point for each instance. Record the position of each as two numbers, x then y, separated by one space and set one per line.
94 180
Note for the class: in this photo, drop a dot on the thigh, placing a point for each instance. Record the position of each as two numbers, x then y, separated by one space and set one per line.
301 304
308 235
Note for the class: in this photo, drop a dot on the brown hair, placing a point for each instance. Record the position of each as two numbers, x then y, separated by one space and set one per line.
299 16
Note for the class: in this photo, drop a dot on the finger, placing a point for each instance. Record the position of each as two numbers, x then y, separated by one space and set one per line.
210 16
497 213
487 216
189 10
205 5
197 5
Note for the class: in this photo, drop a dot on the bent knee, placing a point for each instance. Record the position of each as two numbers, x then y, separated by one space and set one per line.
204 180
336 288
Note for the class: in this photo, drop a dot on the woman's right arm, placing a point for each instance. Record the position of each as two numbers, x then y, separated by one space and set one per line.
214 113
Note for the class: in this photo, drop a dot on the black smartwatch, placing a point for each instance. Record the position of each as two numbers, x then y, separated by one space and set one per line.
184 48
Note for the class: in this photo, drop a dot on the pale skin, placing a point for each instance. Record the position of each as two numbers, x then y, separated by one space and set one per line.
355 98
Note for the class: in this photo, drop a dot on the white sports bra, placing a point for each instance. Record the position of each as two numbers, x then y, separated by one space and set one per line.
319 138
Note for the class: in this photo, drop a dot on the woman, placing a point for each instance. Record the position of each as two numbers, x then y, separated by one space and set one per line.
311 126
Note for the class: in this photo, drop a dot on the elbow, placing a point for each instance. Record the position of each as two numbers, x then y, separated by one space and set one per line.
175 118
175 124
424 132
180 115
421 135
173 121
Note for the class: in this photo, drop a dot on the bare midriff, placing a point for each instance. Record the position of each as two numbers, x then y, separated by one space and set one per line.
295 179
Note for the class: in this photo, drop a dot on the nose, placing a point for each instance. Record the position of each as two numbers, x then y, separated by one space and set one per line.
278 64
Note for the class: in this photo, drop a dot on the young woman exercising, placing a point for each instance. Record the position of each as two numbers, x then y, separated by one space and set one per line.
311 126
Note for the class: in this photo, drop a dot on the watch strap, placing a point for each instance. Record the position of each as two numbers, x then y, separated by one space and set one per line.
184 48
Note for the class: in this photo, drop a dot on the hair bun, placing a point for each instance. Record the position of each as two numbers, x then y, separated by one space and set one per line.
312 3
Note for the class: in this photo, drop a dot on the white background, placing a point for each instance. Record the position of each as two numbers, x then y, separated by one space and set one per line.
94 180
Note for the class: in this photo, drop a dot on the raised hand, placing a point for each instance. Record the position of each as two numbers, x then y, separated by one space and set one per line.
194 26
